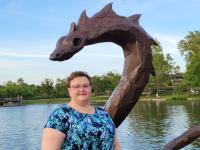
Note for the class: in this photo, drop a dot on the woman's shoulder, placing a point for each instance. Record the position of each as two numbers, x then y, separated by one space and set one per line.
101 110
58 119
63 109
104 115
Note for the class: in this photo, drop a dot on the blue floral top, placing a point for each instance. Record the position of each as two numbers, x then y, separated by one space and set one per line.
83 131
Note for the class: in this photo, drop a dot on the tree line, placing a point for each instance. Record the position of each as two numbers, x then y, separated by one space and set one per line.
164 66
103 84
189 48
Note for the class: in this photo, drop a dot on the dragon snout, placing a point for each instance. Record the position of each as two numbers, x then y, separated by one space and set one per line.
57 56
52 57
60 55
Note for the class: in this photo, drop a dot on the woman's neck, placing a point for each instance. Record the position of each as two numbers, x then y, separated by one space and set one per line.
79 104
82 108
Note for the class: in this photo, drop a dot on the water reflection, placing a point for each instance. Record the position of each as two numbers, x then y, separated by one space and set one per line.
149 126
153 124
21 126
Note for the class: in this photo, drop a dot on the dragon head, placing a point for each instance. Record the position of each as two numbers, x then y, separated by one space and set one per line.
68 45
84 33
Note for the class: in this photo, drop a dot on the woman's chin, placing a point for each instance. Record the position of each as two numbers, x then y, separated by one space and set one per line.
83 99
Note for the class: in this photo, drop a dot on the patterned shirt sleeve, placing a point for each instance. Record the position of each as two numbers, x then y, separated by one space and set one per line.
58 120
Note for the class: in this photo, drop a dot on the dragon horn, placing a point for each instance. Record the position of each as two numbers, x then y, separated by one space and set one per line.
83 18
107 10
72 27
135 18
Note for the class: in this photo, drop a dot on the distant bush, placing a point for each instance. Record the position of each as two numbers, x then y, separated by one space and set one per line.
180 88
178 97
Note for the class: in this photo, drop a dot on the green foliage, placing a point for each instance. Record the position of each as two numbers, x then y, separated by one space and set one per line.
112 80
47 87
98 85
103 84
179 89
2 91
163 65
11 89
190 48
60 88
178 97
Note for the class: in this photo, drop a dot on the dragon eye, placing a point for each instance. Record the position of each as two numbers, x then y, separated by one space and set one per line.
77 42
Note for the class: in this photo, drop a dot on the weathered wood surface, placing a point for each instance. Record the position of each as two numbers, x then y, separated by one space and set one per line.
183 140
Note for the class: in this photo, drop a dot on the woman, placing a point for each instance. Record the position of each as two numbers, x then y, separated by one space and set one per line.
79 125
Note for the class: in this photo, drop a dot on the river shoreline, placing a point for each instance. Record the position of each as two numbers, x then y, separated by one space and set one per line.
102 99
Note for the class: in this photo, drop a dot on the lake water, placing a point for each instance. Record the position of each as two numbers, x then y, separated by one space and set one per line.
149 126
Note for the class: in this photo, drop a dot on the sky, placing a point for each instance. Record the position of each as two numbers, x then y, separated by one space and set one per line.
29 30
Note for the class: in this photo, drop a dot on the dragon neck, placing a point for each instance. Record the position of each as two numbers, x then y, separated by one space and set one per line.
130 45
117 36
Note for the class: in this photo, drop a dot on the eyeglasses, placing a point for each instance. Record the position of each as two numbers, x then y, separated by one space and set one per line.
78 86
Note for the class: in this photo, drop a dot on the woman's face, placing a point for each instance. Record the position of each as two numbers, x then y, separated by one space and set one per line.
80 89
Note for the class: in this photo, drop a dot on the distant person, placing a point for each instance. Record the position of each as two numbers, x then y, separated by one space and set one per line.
77 124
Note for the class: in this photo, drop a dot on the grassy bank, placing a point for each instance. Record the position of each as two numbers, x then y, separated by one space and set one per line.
94 99
102 99
45 101
178 97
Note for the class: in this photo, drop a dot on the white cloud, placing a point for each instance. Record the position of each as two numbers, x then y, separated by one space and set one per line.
169 45
24 46
168 42
38 56
105 50
6 65
19 55
173 39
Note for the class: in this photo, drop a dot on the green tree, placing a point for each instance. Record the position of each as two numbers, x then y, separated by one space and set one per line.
111 79
32 92
105 83
47 88
190 48
163 65
97 84
2 91
11 89
60 89
22 88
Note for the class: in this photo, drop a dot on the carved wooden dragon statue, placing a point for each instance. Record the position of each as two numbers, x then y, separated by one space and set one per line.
107 26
